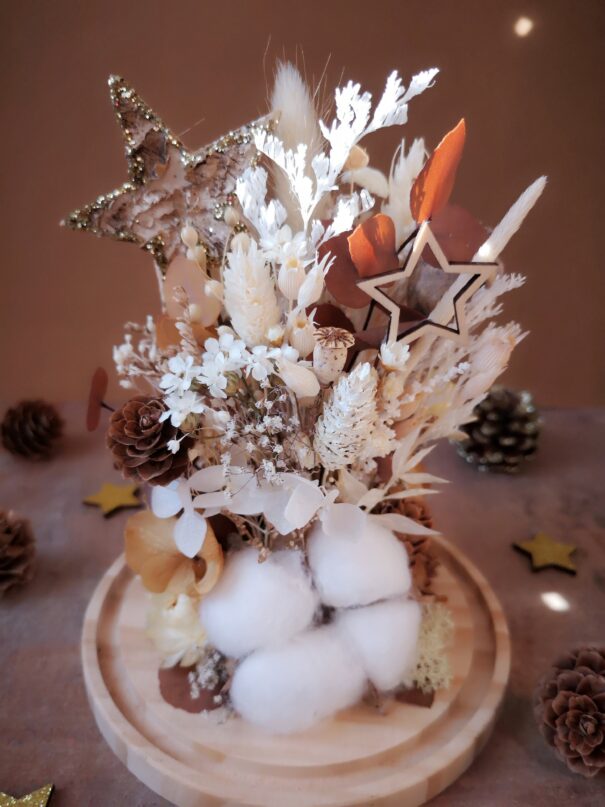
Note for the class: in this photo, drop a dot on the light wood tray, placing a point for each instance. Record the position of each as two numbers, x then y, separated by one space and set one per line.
400 759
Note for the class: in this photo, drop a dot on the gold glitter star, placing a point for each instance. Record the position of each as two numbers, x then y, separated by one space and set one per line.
39 798
113 497
451 306
169 186
545 552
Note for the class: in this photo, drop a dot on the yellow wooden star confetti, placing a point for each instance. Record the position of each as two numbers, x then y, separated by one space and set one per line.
39 798
112 497
545 552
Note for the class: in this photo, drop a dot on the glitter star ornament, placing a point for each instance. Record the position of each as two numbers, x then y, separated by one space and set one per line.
169 186
39 798
546 552
110 498
448 318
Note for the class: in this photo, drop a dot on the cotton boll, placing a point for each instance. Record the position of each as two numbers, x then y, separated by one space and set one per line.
358 570
384 637
292 687
258 604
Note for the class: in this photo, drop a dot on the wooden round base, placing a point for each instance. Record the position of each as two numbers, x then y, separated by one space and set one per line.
403 757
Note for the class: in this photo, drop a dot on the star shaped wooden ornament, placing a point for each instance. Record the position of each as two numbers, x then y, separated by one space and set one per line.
114 497
471 276
168 186
546 552
39 798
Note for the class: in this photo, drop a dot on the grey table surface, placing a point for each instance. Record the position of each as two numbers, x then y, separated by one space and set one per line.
47 733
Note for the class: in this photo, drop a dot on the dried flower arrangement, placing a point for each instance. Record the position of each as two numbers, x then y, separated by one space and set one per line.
323 326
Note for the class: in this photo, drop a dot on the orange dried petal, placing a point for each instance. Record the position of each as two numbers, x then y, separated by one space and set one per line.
434 184
372 246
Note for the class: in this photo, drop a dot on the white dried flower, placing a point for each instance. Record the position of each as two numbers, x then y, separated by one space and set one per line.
301 380
394 355
290 278
301 332
348 418
313 285
250 294
276 334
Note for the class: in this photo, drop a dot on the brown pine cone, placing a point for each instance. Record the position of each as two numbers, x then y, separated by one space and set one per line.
17 551
423 560
31 430
569 705
139 442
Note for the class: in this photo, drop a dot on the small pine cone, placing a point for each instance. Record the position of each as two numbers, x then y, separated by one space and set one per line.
139 442
17 551
504 434
31 430
569 705
423 560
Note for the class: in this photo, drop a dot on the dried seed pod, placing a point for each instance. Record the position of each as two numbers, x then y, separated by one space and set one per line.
330 353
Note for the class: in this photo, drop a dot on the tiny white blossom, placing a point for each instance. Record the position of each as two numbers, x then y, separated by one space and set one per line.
182 405
182 373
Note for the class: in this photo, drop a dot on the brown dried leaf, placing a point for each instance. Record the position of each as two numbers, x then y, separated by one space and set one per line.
98 390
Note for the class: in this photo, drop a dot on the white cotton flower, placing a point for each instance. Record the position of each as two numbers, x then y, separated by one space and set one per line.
250 297
181 405
394 355
183 371
348 418
173 446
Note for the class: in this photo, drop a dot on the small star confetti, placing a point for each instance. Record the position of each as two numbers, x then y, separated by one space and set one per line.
39 798
546 552
113 497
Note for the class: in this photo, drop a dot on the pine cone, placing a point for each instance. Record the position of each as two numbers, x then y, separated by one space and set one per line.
570 709
423 560
504 434
31 430
17 551
139 442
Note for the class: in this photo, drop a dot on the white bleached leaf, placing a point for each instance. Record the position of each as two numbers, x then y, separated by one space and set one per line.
403 524
350 488
423 479
419 456
403 451
211 500
189 533
208 479
409 493
165 501
371 498
420 82
305 501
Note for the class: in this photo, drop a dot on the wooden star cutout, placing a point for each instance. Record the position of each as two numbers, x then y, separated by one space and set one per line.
113 497
471 276
545 552
39 798
169 186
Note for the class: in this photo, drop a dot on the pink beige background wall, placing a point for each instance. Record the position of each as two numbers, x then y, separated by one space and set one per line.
533 105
